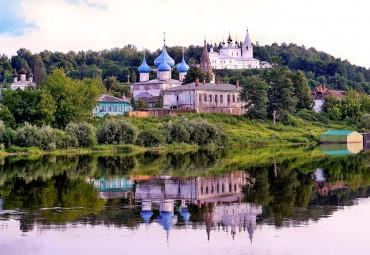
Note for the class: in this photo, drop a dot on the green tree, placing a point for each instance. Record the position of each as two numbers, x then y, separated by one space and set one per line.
254 94
301 91
193 73
74 99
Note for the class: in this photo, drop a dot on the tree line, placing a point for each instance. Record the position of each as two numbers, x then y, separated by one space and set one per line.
319 67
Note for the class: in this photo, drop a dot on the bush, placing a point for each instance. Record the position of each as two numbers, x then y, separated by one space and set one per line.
365 122
46 138
290 120
83 132
151 138
117 131
7 135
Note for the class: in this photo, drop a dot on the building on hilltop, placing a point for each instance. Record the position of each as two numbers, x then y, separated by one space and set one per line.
205 98
231 56
23 83
320 93
147 88
109 105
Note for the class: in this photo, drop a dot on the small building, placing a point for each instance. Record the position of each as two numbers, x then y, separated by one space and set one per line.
336 149
205 98
320 93
341 136
109 105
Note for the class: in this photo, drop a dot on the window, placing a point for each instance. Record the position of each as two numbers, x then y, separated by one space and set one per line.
215 98
120 109
201 190
230 188
228 98
115 108
110 108
221 99
103 108
234 187
207 190
205 97
223 188
210 98
200 98
233 98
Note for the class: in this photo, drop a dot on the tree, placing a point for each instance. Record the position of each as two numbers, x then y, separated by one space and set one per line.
254 94
301 91
193 73
281 92
74 99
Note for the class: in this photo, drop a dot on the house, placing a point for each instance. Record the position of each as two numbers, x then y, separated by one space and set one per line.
205 98
321 92
341 136
109 105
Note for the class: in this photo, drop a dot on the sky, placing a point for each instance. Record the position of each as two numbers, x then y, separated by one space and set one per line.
338 27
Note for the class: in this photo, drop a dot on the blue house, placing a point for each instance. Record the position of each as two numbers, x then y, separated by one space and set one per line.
111 106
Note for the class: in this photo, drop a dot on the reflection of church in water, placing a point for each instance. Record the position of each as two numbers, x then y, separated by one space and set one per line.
219 197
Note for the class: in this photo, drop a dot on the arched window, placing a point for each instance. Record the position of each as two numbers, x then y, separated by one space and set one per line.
233 98
110 108
210 98
215 98
200 98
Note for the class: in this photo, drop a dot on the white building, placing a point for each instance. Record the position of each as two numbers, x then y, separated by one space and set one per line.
231 56
23 82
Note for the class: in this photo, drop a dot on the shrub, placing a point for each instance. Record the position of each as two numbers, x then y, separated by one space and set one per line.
365 122
83 132
151 138
7 135
117 131
290 120
46 137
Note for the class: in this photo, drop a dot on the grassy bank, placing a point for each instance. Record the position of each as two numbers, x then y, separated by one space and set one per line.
240 131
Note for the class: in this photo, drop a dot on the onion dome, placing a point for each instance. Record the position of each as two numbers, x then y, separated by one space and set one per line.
22 71
30 75
144 68
167 58
146 215
15 75
183 67
164 66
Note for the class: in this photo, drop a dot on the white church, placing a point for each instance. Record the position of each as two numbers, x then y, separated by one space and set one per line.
231 56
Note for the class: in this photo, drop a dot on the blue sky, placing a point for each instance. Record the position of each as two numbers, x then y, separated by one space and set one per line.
338 27
12 21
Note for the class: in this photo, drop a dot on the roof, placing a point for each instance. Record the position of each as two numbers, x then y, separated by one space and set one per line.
205 86
166 57
183 67
338 132
144 68
22 71
153 99
107 98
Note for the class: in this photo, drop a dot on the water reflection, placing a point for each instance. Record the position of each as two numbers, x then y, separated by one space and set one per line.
213 191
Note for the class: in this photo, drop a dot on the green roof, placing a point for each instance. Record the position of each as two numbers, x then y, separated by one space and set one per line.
337 153
338 132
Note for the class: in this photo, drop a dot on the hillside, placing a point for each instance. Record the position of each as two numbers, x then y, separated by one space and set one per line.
319 67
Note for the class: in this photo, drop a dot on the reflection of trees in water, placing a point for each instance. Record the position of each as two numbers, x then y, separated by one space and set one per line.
288 195
66 199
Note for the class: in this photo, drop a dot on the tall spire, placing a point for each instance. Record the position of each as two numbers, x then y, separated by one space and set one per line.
205 63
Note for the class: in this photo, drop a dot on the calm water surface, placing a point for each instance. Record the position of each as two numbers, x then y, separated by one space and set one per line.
299 200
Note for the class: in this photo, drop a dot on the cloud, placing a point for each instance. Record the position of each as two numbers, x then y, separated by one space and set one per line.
13 21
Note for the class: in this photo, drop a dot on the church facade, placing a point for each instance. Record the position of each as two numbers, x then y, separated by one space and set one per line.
232 56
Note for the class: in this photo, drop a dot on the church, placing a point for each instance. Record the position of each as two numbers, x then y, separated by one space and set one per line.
232 56
146 88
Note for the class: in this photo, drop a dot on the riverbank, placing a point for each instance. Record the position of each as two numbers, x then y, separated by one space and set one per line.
240 132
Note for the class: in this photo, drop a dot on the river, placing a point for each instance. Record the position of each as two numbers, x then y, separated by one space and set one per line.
288 200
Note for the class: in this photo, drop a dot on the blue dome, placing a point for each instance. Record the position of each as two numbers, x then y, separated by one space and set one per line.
144 68
167 58
185 214
146 215
167 220
163 67
183 67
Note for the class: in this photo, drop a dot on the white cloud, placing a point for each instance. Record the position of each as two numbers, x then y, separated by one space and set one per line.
336 27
